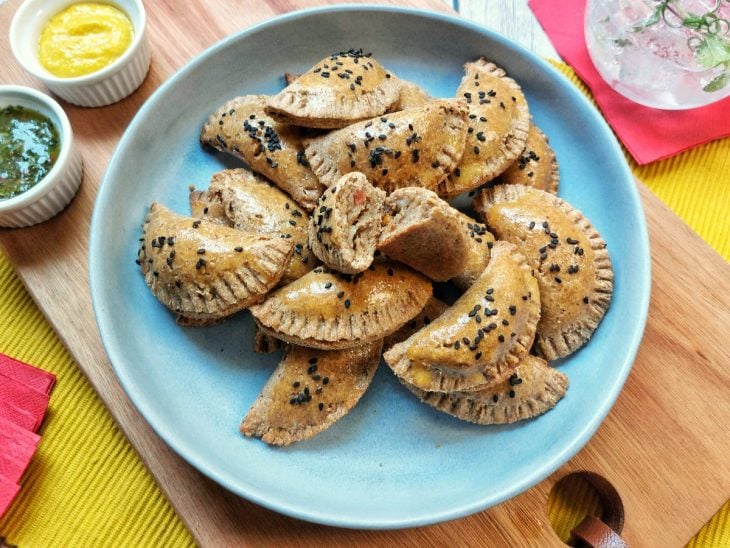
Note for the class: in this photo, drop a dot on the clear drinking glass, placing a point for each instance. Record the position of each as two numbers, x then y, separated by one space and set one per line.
667 54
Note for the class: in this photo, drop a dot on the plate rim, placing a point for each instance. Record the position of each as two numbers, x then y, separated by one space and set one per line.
530 479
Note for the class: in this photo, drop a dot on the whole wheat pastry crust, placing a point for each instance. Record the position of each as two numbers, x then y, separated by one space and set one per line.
531 390
204 271
411 96
536 166
480 243
499 121
569 258
329 310
415 147
433 309
253 204
346 224
482 337
241 128
424 232
336 92
309 391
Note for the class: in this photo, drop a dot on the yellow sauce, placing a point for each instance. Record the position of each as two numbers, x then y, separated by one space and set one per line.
84 38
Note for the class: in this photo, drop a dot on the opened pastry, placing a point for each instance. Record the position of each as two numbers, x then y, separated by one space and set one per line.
424 232
345 226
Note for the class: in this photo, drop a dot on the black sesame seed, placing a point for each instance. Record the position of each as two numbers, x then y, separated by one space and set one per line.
347 303
501 338
511 393
325 380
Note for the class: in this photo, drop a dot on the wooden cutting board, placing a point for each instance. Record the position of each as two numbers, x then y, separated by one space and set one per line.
664 446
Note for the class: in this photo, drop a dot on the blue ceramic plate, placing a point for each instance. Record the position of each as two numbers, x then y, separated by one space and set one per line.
392 462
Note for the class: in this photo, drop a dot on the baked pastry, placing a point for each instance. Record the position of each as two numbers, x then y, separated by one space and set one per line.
204 271
424 232
253 204
336 92
328 310
207 204
309 391
415 147
411 96
536 166
241 128
345 226
263 343
479 248
531 390
482 337
568 256
433 309
499 121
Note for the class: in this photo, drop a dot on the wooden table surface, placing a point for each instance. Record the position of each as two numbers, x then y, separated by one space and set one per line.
664 445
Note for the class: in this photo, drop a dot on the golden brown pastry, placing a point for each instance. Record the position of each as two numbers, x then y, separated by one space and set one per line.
482 337
536 166
309 391
204 271
568 256
479 248
328 310
241 128
339 90
411 96
531 390
499 121
263 343
207 204
345 226
253 204
415 147
424 232
433 309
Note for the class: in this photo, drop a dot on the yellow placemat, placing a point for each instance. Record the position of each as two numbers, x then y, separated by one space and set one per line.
86 485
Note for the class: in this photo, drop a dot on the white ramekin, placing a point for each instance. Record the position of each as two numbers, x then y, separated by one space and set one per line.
59 186
104 87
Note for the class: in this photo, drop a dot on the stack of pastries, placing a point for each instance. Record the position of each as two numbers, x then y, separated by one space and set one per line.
337 225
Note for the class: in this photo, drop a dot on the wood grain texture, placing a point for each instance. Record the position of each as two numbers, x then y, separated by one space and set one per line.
663 445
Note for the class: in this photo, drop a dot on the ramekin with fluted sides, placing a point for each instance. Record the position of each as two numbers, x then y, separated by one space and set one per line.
59 186
103 87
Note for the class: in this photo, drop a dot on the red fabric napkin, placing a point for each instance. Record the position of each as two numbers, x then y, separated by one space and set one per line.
24 398
18 446
42 381
24 395
649 134
8 490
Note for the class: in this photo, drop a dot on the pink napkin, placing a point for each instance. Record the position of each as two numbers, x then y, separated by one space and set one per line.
649 134
25 398
18 446
24 395
42 381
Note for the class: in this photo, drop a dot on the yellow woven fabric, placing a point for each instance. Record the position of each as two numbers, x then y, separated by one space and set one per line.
85 486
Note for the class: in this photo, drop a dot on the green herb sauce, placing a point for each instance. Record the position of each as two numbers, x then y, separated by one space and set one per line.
28 149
